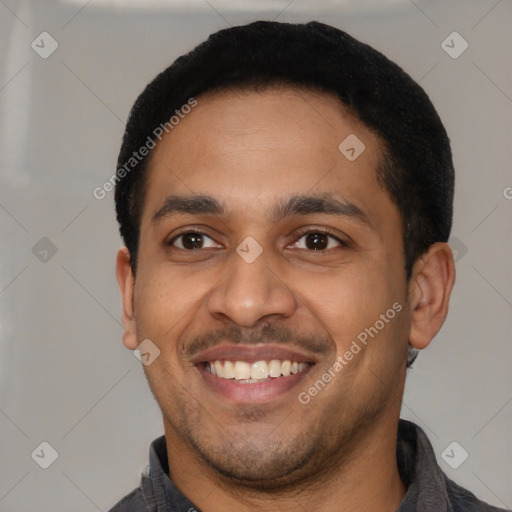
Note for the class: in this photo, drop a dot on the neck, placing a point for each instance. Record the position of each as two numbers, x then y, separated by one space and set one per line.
364 480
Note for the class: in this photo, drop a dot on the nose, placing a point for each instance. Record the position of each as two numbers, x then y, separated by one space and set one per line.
250 292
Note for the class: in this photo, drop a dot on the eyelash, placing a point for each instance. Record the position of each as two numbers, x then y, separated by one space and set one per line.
300 234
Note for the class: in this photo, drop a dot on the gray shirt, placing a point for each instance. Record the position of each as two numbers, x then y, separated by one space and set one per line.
428 488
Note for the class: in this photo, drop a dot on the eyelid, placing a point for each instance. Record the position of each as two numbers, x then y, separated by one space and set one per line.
298 235
326 231
185 231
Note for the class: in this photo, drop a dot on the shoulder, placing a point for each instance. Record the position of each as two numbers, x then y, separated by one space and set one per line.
428 486
132 502
463 500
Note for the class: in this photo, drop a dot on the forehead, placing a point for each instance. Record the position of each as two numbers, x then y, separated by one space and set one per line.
247 146
297 120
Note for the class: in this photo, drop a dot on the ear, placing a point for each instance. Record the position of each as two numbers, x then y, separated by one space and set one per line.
126 282
429 291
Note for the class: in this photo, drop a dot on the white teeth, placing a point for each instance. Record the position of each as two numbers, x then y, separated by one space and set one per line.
259 370
228 372
255 372
274 368
242 370
285 368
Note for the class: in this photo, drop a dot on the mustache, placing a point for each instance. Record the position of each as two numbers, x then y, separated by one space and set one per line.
269 334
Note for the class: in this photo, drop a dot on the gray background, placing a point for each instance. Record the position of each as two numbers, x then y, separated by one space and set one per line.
65 377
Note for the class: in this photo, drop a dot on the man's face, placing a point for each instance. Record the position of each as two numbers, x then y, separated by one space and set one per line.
212 298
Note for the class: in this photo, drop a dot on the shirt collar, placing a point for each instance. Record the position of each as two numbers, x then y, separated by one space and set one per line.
418 468
160 494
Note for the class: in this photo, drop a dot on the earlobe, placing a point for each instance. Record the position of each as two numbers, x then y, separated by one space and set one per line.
126 282
429 291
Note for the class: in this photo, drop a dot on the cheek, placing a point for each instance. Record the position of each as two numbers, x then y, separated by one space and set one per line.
165 300
352 302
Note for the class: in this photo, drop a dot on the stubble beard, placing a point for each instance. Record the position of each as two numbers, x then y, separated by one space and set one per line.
277 463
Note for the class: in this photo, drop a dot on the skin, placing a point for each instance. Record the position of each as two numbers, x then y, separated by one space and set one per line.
249 150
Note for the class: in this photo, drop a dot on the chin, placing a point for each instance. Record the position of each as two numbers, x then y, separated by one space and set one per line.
259 464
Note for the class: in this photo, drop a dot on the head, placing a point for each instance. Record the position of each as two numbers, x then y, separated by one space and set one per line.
318 178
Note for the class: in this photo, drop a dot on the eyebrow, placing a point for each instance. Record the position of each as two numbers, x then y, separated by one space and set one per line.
326 203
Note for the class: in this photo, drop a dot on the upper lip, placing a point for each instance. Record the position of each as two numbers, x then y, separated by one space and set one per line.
251 354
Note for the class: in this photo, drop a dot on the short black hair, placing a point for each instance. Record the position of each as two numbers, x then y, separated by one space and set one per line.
416 167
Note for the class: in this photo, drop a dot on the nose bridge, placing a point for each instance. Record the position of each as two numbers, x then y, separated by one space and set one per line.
251 289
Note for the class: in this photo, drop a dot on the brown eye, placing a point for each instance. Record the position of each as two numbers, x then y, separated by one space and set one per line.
318 241
191 241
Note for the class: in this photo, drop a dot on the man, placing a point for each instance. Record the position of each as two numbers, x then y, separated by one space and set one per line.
285 196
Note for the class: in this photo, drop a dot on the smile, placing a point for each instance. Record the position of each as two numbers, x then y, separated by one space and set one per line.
250 373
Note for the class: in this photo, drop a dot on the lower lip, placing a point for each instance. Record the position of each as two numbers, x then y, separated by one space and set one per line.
252 392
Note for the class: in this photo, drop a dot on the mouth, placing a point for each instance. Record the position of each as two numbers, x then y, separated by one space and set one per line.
252 374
